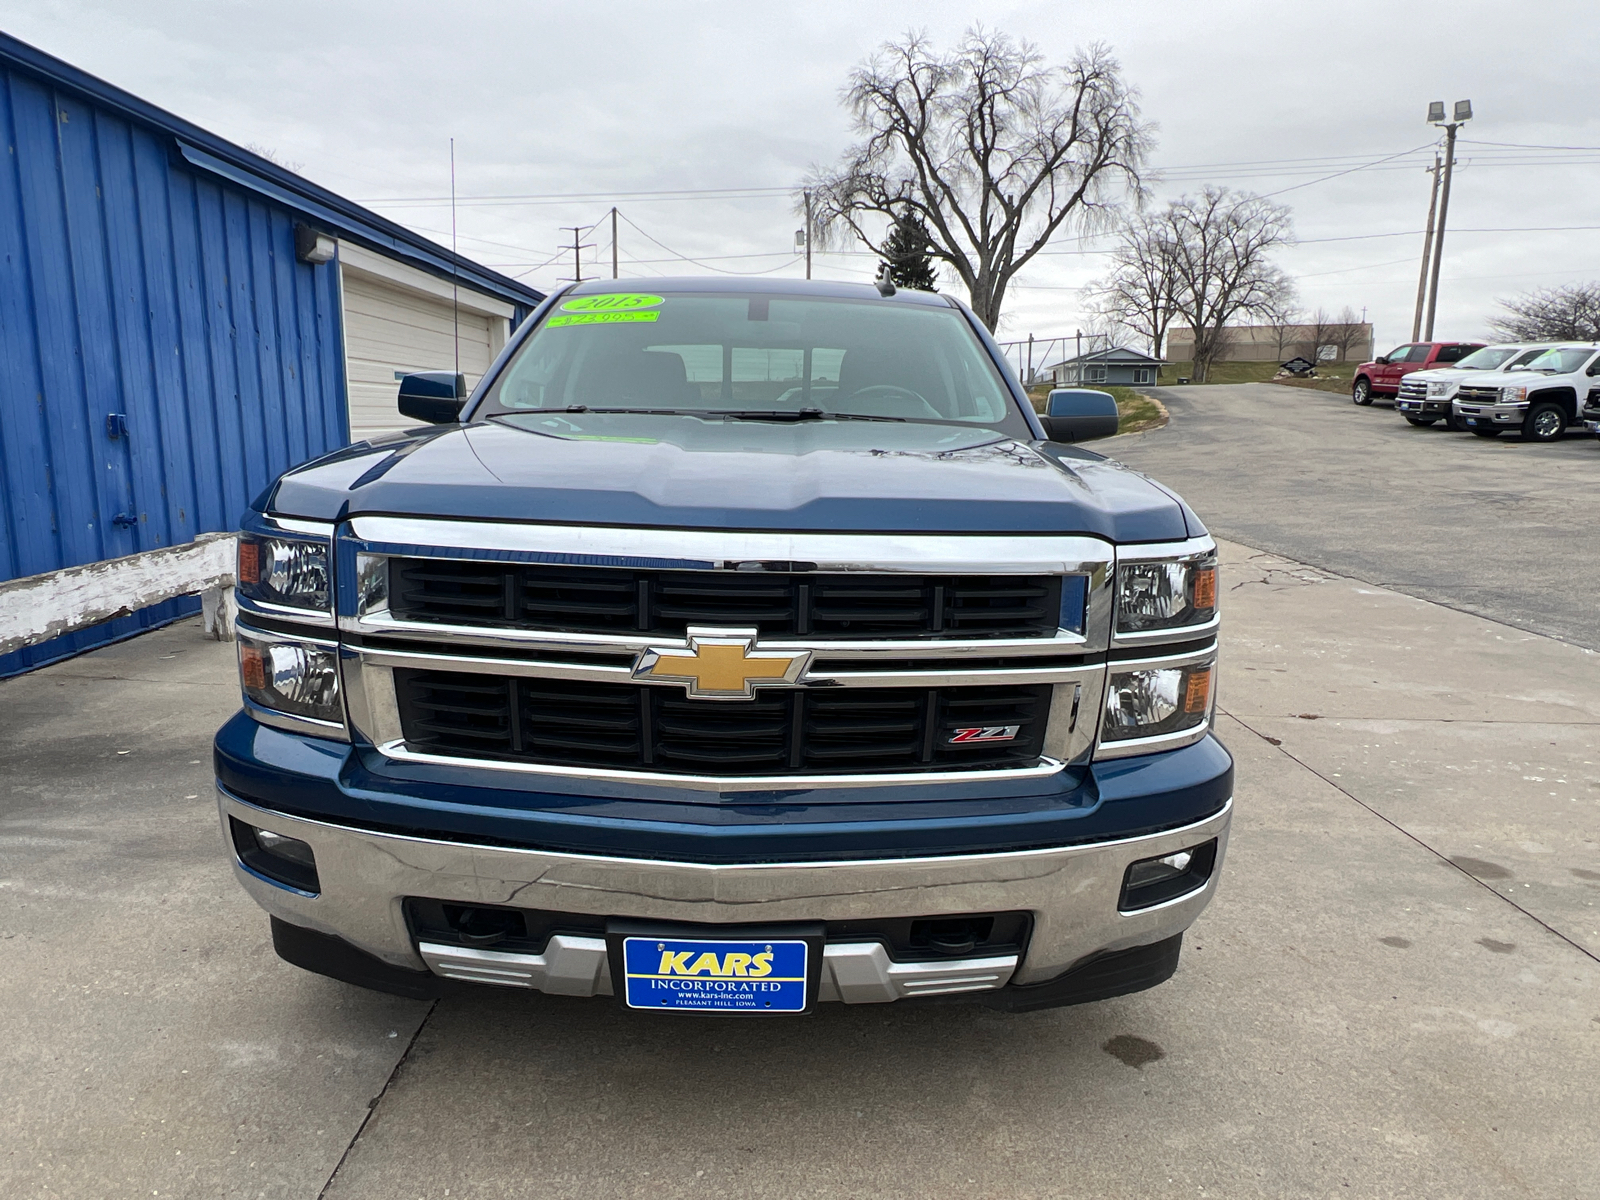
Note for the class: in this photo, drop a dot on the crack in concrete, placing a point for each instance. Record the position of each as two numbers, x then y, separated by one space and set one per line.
1402 830
372 1105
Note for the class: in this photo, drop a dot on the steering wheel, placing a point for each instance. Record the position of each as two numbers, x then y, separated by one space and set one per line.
885 394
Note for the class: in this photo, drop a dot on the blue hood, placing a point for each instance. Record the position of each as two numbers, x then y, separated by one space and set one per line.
808 476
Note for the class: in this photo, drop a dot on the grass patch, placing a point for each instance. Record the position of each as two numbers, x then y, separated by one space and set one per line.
1135 411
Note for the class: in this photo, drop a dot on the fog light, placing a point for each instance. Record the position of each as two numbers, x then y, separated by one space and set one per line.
1152 881
286 861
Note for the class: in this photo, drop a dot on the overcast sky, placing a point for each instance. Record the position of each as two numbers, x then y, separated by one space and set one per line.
609 99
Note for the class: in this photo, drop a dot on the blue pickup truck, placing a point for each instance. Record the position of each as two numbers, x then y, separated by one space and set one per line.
734 647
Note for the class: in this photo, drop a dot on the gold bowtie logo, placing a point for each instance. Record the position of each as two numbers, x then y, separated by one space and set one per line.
722 664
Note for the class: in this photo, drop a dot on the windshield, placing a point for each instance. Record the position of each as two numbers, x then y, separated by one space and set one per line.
1489 358
1562 362
760 357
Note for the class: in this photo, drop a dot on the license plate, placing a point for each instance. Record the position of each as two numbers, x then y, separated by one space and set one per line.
714 975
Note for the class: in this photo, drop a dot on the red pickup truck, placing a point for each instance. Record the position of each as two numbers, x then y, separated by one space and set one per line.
1381 376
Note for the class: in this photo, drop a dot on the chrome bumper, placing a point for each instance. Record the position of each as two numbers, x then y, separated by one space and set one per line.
1072 893
1497 414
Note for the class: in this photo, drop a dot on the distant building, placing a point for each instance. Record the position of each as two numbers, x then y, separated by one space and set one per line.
1117 365
1327 342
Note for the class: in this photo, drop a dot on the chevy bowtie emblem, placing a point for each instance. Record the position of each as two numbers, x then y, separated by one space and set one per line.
722 664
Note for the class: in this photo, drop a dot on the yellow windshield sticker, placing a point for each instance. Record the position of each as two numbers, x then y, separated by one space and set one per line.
602 318
613 302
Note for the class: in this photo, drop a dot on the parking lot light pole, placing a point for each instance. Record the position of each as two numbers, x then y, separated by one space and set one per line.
1427 253
1463 114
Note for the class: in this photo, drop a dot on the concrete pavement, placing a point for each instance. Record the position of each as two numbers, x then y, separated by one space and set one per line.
1395 994
1502 528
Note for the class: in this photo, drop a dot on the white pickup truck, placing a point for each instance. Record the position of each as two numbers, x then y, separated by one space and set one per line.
1540 400
1425 396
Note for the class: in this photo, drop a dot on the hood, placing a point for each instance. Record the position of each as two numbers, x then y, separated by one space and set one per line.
811 476
1507 378
1442 375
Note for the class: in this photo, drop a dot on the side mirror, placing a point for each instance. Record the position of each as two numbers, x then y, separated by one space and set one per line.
436 397
1079 415
1382 360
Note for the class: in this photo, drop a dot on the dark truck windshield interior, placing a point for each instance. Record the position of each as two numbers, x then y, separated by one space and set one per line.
756 358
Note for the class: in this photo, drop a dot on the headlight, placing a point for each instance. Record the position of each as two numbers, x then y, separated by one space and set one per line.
1152 701
1510 395
292 676
1438 389
281 570
1166 595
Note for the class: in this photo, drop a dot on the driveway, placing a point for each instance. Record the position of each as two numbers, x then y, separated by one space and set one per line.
1506 529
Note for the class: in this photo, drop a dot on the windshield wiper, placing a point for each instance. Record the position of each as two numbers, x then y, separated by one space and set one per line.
737 414
803 414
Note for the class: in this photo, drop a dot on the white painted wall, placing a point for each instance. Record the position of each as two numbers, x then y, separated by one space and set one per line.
397 318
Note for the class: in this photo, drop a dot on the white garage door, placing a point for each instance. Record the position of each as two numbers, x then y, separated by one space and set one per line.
398 319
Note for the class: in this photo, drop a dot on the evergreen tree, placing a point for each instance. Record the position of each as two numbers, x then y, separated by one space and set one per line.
906 249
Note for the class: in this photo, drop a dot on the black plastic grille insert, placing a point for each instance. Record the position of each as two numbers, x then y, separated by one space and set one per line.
611 600
626 726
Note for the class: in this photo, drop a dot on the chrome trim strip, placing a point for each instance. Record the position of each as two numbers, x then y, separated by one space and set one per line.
384 625
569 966
863 973
397 751
602 673
290 723
713 549
1164 551
321 618
271 635
1176 633
298 525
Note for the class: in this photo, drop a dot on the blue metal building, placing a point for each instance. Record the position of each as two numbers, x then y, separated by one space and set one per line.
164 353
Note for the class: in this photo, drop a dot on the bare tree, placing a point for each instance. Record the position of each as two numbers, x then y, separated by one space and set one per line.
1138 293
1283 319
991 148
1321 326
1218 243
1348 330
1570 313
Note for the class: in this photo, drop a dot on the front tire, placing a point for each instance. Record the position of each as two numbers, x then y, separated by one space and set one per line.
1545 423
1421 422
1361 392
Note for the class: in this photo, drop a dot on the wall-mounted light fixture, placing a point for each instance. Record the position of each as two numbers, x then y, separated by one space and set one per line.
313 246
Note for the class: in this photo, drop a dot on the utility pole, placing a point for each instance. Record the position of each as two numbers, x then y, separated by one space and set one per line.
808 233
1427 253
613 241
455 263
1463 114
1029 377
577 261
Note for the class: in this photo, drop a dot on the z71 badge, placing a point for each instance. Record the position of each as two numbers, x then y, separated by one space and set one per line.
985 733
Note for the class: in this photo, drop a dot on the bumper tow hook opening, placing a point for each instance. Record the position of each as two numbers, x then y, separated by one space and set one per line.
1152 881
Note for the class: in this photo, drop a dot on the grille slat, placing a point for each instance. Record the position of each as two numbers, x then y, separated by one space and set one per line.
786 730
606 600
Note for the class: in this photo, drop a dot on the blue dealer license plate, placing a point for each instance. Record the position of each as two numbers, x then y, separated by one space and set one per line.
763 976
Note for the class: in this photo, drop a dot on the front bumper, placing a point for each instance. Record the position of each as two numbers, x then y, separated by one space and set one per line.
1412 406
1500 416
1072 893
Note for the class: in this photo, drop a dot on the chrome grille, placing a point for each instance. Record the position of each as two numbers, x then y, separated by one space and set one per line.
1479 395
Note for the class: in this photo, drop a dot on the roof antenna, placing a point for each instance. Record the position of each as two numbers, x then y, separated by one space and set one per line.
455 266
883 283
